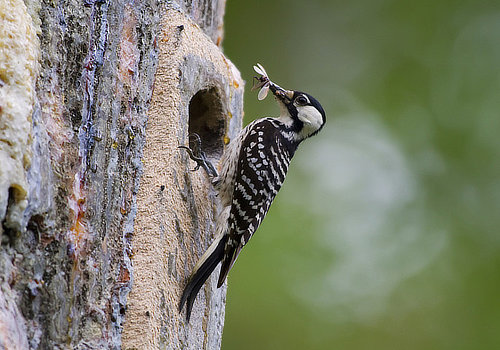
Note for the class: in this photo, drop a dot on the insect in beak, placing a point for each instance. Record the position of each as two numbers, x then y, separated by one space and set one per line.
264 84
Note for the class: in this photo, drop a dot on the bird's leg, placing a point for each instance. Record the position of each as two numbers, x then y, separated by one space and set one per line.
196 154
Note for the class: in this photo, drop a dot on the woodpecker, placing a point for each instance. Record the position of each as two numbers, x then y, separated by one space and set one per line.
252 170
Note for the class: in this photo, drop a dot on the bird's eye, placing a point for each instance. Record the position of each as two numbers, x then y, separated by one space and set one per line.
302 100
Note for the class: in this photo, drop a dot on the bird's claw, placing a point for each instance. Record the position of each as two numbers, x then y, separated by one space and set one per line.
197 155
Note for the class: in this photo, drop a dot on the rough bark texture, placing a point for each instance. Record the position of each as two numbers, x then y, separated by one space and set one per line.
101 219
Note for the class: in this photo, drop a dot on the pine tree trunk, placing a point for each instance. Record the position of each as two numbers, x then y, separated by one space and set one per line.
101 218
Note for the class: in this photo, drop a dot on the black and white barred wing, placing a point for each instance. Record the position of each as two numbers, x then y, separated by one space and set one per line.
262 165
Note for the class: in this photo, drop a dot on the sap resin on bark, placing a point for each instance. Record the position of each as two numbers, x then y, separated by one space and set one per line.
88 210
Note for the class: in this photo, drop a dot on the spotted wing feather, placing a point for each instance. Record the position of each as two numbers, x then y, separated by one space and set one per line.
264 156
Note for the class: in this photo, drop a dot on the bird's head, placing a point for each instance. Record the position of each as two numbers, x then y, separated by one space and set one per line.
299 110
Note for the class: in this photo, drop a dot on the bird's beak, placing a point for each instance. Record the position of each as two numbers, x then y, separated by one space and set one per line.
281 94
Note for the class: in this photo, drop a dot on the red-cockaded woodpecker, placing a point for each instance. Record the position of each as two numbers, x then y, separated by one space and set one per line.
253 168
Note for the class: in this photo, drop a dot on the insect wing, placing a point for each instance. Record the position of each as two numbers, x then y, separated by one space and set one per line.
263 92
260 70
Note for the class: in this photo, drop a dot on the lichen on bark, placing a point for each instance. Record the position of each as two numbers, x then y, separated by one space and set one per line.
82 74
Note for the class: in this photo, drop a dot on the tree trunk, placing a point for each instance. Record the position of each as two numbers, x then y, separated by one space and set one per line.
101 218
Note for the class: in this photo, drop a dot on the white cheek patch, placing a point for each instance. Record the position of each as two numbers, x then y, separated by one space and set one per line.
310 116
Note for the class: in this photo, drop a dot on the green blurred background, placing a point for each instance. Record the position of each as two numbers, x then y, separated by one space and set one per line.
386 232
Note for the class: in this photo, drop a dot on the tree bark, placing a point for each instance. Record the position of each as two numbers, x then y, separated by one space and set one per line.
101 218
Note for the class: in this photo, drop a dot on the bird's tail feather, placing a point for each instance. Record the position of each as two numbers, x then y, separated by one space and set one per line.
204 267
230 256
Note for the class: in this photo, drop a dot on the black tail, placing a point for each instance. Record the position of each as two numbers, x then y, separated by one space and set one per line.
207 263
